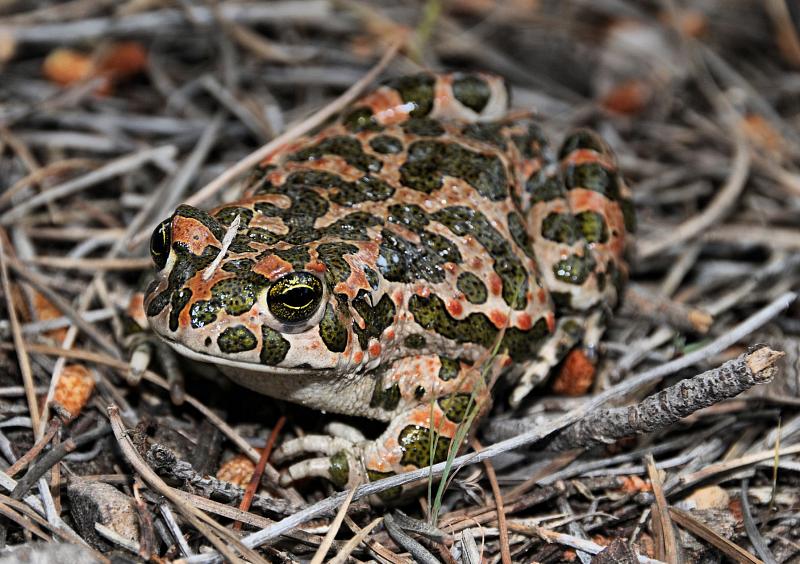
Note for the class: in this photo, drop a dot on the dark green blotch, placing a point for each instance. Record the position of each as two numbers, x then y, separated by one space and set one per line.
178 302
297 256
533 143
273 346
428 161
376 319
424 127
238 265
416 444
544 187
560 227
519 233
462 221
472 91
332 256
431 313
582 139
235 295
372 278
403 261
523 345
408 215
342 146
593 226
236 339
628 214
448 368
472 287
385 495
416 89
386 144
574 269
226 216
332 331
361 119
455 406
486 132
352 227
415 341
592 176
258 235
386 398
339 469
366 188
203 312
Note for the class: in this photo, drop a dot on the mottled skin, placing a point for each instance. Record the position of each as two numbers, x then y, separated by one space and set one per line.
378 263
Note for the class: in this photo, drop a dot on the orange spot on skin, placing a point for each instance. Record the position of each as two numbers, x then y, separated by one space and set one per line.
193 233
581 156
316 267
390 334
476 263
272 267
375 349
455 308
398 297
550 319
524 321
576 375
495 284
507 362
542 295
358 357
498 318
424 292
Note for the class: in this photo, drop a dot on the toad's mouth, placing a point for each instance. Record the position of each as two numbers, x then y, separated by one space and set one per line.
227 363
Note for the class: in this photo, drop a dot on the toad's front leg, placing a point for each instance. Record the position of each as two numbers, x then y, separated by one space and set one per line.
426 399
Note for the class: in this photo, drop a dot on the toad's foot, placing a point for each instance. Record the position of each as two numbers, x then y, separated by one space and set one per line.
414 439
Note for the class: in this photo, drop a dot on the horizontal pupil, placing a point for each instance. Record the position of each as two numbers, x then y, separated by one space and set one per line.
298 297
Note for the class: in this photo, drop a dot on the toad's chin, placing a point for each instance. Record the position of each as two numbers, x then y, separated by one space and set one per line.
317 388
229 365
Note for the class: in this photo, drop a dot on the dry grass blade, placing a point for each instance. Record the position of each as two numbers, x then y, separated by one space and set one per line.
505 550
221 538
34 451
731 550
668 550
721 204
344 553
333 529
301 128
19 342
756 539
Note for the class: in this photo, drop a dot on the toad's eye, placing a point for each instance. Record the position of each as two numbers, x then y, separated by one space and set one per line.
160 243
295 297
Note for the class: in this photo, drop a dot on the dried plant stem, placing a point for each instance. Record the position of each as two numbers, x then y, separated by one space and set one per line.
19 342
221 538
756 366
298 130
